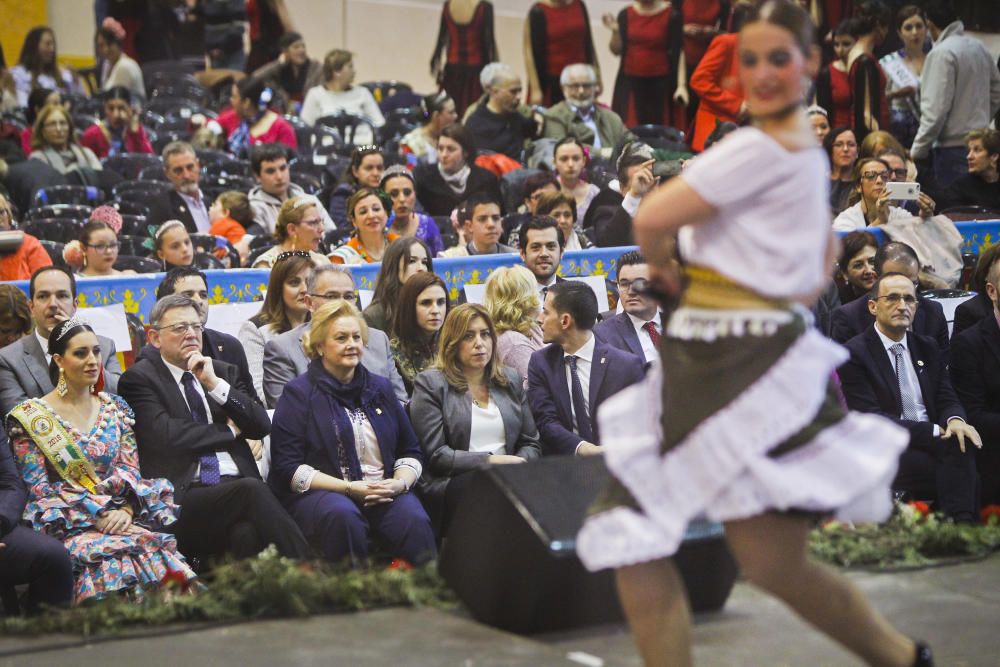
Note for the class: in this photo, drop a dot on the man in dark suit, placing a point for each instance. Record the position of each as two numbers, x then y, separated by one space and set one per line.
569 379
854 317
639 326
904 377
969 312
541 250
26 556
975 372
24 365
185 202
193 284
193 417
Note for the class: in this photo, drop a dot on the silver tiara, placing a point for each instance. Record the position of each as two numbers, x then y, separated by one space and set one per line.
69 325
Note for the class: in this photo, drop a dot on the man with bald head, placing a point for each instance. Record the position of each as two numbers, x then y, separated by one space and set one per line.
852 318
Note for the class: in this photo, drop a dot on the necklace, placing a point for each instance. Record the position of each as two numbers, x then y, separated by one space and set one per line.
481 404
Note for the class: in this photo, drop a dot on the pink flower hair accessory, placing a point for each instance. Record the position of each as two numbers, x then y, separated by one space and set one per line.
115 27
110 216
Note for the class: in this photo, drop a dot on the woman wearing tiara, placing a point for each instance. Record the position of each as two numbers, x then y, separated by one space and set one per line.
76 451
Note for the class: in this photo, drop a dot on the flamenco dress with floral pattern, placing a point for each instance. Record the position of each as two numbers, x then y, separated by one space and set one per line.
103 564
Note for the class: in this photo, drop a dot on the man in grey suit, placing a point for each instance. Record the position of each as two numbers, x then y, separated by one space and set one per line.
284 358
24 365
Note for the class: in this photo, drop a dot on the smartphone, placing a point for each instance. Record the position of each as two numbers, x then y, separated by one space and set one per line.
903 190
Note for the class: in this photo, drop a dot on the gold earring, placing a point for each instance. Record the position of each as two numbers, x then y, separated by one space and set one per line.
61 387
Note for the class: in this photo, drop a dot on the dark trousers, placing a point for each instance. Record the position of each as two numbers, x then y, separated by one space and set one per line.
340 528
240 516
39 561
943 473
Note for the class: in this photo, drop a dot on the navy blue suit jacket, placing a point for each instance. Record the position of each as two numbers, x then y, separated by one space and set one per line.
12 491
619 333
215 345
853 318
869 383
548 392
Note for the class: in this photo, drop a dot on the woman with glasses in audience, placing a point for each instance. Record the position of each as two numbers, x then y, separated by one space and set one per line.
398 184
421 142
299 228
344 456
469 411
76 450
286 306
38 66
856 265
53 141
403 258
15 315
23 256
443 186
172 245
842 149
413 332
363 171
562 207
370 238
120 131
872 207
512 302
250 120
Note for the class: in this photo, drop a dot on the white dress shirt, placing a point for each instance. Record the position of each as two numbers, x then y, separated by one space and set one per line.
908 373
486 432
227 466
588 116
584 361
44 342
199 212
649 350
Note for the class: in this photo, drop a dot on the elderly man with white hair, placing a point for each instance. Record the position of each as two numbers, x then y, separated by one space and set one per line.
579 116
499 124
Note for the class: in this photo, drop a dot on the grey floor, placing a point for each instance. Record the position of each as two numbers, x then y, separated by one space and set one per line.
956 608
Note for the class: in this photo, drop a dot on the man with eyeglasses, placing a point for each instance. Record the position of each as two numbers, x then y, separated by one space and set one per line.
274 185
193 417
20 254
186 201
903 376
637 329
578 115
852 318
25 364
285 359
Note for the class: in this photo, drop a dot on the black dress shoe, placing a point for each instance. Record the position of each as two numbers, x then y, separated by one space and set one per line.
924 656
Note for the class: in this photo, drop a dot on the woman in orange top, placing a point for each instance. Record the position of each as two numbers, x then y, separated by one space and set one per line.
367 213
29 256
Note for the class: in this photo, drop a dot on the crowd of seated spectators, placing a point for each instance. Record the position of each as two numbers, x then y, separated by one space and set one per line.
382 413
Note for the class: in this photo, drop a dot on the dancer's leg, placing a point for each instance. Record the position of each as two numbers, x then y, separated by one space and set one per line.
656 606
771 550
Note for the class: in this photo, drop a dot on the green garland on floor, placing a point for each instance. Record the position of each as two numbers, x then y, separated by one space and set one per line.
268 586
911 538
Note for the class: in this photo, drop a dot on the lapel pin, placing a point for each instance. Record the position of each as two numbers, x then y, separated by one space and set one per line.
603 359
378 411
220 348
920 363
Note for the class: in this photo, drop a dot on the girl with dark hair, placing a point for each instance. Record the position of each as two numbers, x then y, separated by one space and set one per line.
833 90
363 171
398 184
740 348
100 250
570 158
556 34
866 79
403 258
421 142
443 186
120 130
902 69
38 67
117 69
413 334
250 120
465 44
172 245
76 450
648 35
842 148
286 306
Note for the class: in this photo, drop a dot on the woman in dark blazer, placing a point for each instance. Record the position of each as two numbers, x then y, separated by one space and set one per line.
469 411
343 454
455 177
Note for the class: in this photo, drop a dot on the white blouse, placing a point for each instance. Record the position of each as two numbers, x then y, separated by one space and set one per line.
487 433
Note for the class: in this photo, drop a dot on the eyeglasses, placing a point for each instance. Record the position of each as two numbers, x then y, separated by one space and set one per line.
898 173
584 86
893 299
872 175
333 296
182 328
104 247
637 286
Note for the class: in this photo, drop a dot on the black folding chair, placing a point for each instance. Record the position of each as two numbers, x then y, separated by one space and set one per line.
54 250
71 211
88 195
127 207
346 125
136 225
138 264
62 230
129 165
137 246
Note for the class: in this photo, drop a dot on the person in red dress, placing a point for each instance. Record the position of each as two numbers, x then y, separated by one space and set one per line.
869 106
465 44
556 34
647 35
703 20
833 91
250 121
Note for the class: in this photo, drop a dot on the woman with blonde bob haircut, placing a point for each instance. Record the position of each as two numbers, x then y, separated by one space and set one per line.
344 456
299 228
512 301
469 411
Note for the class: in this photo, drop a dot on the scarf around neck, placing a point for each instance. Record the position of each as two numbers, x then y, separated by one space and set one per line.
458 180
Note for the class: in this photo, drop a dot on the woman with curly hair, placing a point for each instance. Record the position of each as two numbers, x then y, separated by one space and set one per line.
512 301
